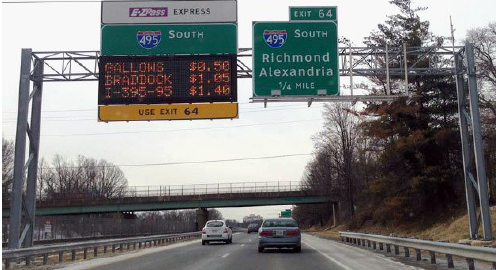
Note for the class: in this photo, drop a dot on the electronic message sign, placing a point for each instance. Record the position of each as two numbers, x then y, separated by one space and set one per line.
167 79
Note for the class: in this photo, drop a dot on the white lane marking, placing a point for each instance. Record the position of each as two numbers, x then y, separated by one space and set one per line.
249 240
329 257
242 245
225 255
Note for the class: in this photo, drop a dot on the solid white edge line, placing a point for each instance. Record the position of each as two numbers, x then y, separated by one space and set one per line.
328 257
104 261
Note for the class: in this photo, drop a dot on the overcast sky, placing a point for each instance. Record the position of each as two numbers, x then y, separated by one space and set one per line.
281 129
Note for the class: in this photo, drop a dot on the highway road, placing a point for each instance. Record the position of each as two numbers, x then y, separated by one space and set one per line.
316 254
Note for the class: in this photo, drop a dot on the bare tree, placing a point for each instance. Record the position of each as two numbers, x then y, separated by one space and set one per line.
339 139
214 214
83 178
484 40
7 164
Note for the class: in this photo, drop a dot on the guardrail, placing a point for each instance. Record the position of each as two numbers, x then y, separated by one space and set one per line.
470 253
8 256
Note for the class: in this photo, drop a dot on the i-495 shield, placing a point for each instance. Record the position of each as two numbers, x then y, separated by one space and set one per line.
148 39
275 38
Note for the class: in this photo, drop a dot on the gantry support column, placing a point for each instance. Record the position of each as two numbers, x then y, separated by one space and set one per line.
34 146
20 151
481 185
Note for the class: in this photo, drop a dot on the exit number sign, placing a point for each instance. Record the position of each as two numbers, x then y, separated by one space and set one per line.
313 14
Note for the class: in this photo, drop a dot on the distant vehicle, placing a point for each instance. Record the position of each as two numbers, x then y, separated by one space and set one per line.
253 227
216 231
279 233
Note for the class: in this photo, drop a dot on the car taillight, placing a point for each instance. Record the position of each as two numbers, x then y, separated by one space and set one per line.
203 231
266 233
226 230
292 232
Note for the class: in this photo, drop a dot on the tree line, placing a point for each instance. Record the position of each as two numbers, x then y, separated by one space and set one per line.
401 161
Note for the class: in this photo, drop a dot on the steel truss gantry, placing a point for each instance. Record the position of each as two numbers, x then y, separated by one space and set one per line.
68 66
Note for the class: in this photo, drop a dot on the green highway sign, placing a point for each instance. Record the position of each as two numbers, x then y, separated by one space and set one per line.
156 39
295 59
286 213
313 14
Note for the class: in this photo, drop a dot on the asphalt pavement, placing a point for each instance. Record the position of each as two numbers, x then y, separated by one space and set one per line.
242 254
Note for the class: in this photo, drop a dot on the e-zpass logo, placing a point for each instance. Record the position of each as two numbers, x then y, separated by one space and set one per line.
148 12
275 38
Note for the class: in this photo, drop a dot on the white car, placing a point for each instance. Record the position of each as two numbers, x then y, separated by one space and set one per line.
216 230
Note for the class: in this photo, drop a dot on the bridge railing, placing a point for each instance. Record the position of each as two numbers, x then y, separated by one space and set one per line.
181 190
218 188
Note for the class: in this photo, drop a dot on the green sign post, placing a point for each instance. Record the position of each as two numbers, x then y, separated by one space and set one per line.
295 59
313 14
160 39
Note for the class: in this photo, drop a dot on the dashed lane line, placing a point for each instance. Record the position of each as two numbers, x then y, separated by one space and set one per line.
225 255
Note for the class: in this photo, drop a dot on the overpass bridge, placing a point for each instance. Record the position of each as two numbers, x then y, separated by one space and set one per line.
174 197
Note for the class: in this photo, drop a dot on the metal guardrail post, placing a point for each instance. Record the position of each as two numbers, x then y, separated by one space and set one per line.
449 258
45 259
433 257
470 263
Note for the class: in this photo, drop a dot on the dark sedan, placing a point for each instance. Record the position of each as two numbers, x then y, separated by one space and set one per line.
253 227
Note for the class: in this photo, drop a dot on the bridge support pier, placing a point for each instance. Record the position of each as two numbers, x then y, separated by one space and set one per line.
201 218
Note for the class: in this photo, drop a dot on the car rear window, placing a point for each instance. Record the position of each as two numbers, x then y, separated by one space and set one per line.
279 223
215 224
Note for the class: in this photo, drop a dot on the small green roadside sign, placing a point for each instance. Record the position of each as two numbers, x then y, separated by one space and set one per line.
313 14
295 59
157 39
286 213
